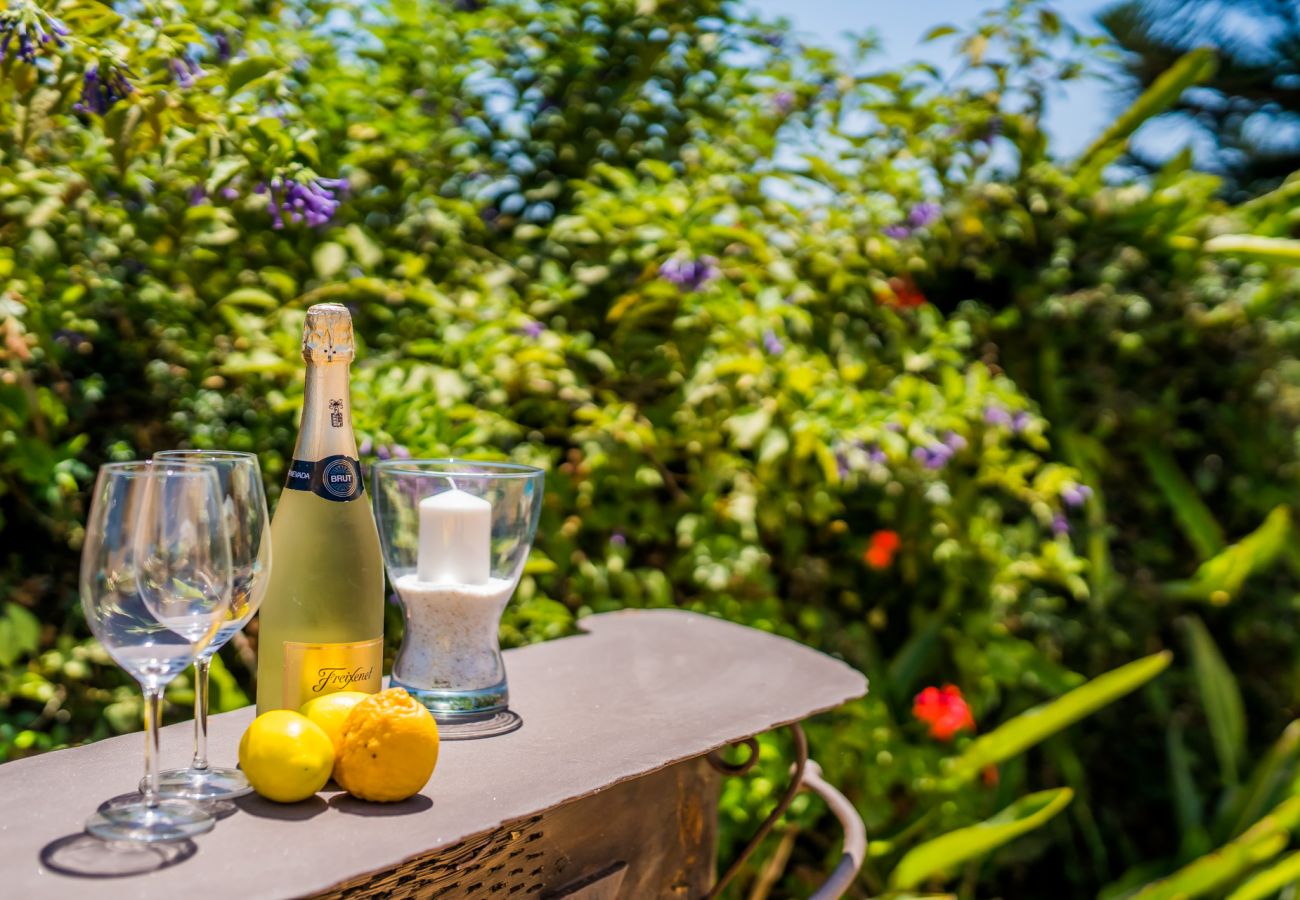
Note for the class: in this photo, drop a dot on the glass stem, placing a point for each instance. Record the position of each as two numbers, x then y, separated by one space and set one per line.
152 710
201 667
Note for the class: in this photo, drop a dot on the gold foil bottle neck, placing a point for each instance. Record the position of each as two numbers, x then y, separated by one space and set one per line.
327 334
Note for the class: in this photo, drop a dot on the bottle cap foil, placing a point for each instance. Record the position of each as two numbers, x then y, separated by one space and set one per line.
327 334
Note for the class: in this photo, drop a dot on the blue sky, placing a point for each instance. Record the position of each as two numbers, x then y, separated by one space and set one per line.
1075 116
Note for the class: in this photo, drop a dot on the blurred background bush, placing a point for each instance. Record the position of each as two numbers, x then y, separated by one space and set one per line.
839 352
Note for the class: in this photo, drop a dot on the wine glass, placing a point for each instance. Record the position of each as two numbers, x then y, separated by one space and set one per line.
244 504
155 583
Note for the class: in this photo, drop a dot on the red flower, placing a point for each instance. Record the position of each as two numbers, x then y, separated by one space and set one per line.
881 549
944 710
906 295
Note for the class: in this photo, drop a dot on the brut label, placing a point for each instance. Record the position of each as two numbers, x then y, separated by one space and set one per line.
334 477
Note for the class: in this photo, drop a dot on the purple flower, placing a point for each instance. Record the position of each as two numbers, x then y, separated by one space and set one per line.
1060 525
618 539
197 195
1020 421
314 202
923 214
400 451
366 446
772 344
783 102
34 28
934 457
997 416
897 232
1075 495
690 274
954 442
100 91
876 455
221 41
230 192
532 329
842 467
185 70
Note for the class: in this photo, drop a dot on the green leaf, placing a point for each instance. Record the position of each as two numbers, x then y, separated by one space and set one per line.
912 658
226 694
934 859
1220 696
1261 249
1191 69
1187 797
1267 783
1193 516
1271 881
1032 726
938 31
20 634
328 260
251 297
1266 839
245 72
1221 577
366 251
747 427
538 563
225 170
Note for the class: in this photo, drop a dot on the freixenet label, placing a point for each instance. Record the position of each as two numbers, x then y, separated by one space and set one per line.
314 670
335 478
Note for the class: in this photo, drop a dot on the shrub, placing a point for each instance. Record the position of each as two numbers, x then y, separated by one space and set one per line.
929 400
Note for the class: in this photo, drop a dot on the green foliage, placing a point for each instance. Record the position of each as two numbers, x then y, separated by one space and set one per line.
943 853
1221 696
1187 72
1033 726
753 309
1263 841
1240 116
1222 576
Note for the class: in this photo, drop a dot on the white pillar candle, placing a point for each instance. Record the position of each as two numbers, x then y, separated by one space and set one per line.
455 539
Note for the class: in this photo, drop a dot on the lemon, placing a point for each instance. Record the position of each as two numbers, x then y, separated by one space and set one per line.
330 711
286 756
389 749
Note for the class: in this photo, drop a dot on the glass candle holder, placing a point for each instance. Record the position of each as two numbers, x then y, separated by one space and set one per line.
456 535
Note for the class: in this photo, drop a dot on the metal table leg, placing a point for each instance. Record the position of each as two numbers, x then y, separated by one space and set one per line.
806 774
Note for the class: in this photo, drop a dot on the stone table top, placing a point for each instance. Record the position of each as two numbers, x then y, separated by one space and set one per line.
637 691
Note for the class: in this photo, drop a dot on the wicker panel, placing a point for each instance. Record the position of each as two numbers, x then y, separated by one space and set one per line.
661 825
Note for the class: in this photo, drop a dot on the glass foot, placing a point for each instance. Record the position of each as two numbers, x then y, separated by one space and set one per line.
170 820
212 783
470 727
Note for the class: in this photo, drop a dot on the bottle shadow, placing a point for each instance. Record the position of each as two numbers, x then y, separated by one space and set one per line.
349 805
86 856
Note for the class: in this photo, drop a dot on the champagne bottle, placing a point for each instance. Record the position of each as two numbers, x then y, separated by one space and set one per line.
322 622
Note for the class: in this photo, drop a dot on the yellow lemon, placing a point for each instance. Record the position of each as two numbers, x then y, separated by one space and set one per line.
390 746
286 756
330 712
